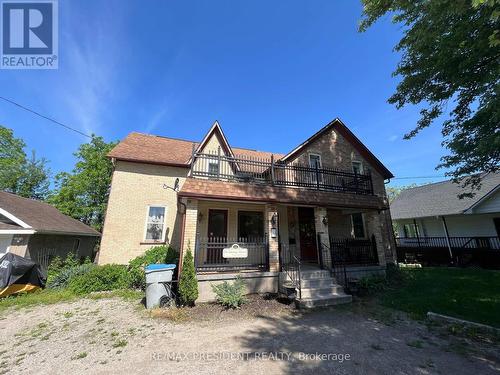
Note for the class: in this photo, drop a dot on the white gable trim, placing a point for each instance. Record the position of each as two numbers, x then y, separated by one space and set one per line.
482 200
14 219
17 231
211 133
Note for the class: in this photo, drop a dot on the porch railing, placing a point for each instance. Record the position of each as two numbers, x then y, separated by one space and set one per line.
215 165
209 254
291 265
335 262
355 252
478 242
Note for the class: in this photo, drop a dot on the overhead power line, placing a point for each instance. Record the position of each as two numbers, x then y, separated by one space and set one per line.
45 117
415 177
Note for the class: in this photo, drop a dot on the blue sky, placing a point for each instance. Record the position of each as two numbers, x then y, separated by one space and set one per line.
272 73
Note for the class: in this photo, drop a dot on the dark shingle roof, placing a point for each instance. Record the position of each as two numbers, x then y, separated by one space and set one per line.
41 216
440 198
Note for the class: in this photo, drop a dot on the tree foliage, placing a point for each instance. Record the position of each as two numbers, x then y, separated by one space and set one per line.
450 66
394 191
83 193
27 177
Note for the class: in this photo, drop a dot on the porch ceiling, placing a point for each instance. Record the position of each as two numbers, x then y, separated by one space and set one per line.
202 188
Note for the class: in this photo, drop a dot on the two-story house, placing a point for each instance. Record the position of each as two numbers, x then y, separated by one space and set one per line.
308 215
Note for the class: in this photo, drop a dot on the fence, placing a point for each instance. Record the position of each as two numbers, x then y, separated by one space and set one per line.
209 254
355 252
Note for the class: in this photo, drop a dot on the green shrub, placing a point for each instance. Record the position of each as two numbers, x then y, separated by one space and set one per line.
59 265
65 275
372 284
230 295
188 285
100 278
156 254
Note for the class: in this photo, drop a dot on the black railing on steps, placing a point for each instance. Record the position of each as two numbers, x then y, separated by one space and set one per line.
290 264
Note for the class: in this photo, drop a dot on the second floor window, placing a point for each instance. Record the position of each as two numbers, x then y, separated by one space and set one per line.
155 224
315 163
213 167
357 167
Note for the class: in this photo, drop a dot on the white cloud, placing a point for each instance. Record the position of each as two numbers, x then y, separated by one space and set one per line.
393 138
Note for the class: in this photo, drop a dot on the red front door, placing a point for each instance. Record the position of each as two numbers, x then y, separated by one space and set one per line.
307 233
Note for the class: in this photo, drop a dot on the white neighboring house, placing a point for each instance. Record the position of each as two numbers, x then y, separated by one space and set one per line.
430 212
39 231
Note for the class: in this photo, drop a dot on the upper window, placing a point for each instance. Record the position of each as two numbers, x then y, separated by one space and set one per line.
357 167
250 224
315 161
213 167
358 226
155 223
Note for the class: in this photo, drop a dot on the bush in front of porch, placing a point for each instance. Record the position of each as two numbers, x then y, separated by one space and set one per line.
188 284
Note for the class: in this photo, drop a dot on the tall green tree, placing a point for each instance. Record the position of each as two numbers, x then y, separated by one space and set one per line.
83 193
450 66
27 177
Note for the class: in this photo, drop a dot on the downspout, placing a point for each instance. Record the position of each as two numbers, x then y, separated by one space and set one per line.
447 237
183 224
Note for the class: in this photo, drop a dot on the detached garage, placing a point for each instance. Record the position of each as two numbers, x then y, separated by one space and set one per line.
38 231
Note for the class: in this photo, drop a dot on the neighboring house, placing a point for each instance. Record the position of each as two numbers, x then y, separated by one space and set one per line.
248 211
434 216
38 231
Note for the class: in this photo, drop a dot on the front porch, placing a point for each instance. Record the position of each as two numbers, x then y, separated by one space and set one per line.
235 237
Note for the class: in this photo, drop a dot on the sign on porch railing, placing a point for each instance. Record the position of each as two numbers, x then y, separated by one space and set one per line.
235 251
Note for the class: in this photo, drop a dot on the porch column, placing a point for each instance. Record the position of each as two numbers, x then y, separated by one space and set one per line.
322 233
190 226
273 237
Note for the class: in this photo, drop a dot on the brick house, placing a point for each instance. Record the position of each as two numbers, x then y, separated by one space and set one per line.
320 209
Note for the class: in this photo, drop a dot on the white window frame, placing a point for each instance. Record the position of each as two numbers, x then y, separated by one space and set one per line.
364 227
357 162
146 222
213 161
320 166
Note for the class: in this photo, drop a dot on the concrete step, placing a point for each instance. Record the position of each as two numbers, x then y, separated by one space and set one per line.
315 274
318 283
321 292
331 300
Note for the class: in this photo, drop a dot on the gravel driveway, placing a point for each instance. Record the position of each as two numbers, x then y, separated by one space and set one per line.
111 336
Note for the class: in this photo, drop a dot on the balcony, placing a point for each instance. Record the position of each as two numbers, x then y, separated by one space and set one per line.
263 171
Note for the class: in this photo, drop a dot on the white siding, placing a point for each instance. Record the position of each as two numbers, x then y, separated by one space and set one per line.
5 241
458 226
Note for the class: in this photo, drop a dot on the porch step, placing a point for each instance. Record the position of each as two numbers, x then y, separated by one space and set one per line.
315 274
316 293
318 283
331 300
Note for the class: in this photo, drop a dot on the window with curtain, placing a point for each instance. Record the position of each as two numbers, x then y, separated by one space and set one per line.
358 226
250 224
155 223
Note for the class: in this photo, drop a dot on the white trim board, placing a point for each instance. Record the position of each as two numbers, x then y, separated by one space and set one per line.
8 215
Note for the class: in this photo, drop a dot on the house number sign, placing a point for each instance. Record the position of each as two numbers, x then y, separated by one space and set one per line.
235 251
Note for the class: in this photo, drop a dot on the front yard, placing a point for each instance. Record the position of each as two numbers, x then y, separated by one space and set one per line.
471 294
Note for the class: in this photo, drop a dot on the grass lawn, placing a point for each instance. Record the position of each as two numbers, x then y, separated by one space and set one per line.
51 296
471 294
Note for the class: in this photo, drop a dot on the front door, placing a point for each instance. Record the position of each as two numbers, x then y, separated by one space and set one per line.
217 235
307 233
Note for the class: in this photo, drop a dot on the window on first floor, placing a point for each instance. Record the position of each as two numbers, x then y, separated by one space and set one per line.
411 230
250 224
155 223
358 225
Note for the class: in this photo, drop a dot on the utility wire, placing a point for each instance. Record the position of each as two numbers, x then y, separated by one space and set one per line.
45 117
409 178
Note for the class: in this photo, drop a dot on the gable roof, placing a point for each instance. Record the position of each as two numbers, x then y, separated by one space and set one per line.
152 149
440 199
339 126
40 216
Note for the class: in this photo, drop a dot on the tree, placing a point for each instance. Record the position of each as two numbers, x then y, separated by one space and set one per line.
188 285
19 175
450 59
394 191
83 193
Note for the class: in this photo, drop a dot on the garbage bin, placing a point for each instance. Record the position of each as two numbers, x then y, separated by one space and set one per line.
158 284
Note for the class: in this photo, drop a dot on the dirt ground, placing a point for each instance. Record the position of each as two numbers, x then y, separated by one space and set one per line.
112 336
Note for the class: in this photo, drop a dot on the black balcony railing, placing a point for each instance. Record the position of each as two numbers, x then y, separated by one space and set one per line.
209 254
479 242
270 172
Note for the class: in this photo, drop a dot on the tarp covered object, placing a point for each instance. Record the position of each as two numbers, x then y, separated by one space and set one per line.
18 274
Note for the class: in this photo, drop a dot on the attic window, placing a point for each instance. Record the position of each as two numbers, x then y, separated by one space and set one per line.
357 167
213 168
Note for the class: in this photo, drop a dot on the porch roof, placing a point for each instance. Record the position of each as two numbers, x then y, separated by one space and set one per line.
236 191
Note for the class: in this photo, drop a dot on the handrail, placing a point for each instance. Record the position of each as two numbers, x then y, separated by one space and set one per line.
292 267
338 266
